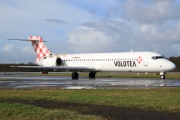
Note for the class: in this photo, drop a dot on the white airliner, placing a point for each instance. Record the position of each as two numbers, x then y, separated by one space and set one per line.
98 62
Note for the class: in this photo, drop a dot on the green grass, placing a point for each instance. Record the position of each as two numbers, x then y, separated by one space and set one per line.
165 99
29 112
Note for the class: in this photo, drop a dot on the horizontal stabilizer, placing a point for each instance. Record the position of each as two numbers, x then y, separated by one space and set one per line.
25 40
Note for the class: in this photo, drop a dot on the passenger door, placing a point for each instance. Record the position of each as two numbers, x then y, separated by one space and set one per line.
145 62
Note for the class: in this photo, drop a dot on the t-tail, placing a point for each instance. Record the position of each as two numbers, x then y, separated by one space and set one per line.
39 47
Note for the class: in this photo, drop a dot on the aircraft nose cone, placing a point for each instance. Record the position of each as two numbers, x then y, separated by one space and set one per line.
167 66
172 66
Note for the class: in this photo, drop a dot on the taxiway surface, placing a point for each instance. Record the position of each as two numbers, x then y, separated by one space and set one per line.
65 82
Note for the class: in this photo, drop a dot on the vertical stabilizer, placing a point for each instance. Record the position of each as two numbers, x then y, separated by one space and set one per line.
39 47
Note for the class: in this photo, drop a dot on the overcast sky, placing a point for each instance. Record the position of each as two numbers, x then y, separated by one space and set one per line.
88 26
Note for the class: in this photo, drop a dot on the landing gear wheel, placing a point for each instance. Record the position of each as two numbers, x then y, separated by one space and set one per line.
92 75
162 77
75 75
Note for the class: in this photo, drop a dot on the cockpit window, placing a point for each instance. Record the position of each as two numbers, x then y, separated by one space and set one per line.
157 57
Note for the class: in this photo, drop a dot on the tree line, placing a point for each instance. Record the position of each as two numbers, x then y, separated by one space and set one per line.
176 61
8 68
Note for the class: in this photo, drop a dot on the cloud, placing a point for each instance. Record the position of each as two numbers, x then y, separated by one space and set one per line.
114 26
160 32
12 54
122 35
152 10
8 47
28 49
102 36
86 39
25 17
57 21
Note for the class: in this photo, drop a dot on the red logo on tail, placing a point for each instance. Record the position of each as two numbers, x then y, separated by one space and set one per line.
39 47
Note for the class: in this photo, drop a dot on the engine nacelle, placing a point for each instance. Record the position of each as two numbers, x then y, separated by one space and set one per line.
58 62
50 61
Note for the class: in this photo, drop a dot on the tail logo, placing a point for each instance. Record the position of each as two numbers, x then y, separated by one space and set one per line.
39 47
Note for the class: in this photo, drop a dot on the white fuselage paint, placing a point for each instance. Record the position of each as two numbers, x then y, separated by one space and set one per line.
122 61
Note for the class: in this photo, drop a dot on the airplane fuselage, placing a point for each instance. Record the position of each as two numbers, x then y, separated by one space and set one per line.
122 61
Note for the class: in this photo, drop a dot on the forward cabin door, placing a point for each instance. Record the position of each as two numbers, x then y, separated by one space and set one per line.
145 62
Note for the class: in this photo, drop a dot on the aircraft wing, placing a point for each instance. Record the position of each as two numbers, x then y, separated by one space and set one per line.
65 68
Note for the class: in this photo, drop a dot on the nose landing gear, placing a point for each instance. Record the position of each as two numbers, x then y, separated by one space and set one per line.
162 75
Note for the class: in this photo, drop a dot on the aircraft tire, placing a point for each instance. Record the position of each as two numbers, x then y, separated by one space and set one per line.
75 75
92 75
162 76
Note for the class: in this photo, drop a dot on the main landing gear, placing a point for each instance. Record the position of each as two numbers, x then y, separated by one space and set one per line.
92 75
75 75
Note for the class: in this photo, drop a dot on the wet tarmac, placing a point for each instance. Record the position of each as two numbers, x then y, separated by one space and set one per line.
65 82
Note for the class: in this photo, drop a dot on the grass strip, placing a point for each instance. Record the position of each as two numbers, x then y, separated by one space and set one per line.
165 99
89 104
29 112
